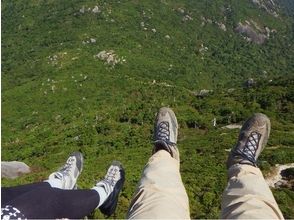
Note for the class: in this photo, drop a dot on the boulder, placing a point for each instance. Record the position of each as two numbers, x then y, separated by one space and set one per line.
96 10
13 169
233 126
203 92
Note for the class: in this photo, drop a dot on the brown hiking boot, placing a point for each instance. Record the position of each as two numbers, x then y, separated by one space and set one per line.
166 132
252 139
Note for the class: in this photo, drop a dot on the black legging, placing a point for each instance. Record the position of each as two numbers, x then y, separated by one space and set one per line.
40 200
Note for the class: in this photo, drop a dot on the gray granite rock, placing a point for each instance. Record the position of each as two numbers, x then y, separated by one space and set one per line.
13 169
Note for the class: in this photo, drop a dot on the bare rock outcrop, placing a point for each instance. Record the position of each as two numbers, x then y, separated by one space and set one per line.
254 32
250 34
282 176
110 58
268 5
220 24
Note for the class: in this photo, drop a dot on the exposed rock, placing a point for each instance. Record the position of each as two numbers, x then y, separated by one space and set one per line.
92 40
203 92
181 10
222 26
203 49
232 126
256 26
250 33
76 138
282 176
110 58
268 5
82 10
167 37
96 10
13 169
187 18
268 31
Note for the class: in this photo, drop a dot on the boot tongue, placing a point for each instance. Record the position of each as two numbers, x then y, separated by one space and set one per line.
161 145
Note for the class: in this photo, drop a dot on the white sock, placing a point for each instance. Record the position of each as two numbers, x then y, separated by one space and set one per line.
54 182
103 191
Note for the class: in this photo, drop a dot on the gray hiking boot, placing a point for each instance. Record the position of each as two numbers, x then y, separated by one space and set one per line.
66 177
166 132
252 139
112 184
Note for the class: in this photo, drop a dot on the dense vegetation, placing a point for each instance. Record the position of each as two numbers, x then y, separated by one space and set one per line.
58 98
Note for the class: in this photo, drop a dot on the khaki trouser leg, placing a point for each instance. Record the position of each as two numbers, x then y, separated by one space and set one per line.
247 195
160 193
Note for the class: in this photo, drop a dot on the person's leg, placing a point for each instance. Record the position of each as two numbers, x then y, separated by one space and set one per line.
65 178
50 202
10 193
161 193
247 195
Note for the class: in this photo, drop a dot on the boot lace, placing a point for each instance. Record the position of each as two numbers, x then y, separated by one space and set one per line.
66 168
111 178
163 131
112 175
251 146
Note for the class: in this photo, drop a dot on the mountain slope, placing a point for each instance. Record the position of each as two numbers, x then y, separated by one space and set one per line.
62 93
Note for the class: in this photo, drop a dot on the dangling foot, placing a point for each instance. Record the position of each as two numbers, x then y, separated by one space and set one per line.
110 187
166 132
66 177
252 140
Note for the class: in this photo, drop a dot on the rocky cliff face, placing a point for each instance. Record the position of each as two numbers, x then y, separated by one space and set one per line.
274 7
252 32
269 6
